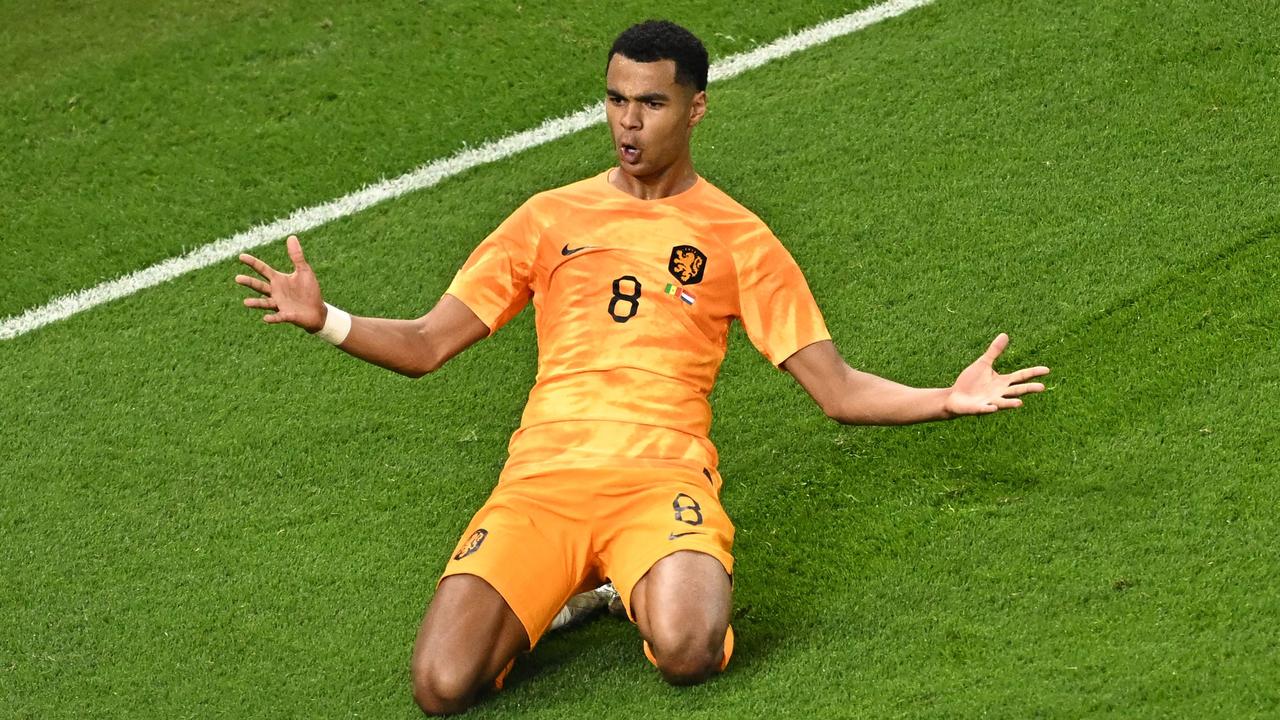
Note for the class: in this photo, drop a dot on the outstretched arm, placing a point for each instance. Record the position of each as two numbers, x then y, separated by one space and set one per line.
409 347
851 396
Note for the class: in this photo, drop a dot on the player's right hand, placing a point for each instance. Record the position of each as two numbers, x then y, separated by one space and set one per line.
293 298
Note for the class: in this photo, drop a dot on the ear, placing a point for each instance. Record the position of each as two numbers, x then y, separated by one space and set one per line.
697 108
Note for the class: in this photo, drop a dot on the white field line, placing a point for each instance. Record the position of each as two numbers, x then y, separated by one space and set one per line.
422 177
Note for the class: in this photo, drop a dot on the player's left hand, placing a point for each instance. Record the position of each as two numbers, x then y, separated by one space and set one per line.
980 389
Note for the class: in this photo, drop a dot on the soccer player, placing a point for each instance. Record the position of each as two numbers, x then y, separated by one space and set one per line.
634 275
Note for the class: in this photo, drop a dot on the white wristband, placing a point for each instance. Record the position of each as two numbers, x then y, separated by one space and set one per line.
337 324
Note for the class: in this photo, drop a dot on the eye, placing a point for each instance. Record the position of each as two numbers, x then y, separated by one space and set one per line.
654 104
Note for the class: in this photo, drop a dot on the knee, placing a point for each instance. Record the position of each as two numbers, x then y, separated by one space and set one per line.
441 690
688 661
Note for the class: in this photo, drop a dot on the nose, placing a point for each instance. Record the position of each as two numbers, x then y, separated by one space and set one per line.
631 119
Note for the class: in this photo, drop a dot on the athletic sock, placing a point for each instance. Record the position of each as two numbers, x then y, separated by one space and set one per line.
502 676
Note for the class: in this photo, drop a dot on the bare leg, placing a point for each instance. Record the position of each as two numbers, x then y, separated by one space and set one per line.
682 608
468 636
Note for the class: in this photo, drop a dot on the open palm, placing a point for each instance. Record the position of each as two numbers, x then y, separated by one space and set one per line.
980 389
293 297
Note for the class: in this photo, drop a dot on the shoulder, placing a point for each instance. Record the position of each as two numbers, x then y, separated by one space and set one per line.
740 229
550 205
720 205
528 221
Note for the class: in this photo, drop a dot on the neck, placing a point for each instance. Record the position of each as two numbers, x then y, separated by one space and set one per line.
672 180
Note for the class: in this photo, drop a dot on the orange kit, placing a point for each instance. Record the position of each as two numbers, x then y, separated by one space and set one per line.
611 469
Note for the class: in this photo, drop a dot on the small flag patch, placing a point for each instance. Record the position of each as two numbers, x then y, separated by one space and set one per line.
686 297
671 289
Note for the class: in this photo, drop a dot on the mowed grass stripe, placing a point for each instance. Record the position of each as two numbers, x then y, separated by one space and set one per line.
1115 572
207 517
256 110
422 177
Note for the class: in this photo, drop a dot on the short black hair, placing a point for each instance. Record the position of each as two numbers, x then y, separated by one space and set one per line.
654 40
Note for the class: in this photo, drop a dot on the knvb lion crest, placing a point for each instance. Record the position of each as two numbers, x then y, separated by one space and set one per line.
473 544
687 264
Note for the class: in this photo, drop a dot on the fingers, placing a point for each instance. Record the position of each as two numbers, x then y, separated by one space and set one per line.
261 303
1027 373
1017 386
994 406
1024 389
295 251
997 346
254 284
258 266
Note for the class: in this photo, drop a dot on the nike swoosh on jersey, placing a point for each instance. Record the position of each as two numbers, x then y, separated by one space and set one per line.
566 251
673 536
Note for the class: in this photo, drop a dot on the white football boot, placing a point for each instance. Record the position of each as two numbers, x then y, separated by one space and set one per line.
585 604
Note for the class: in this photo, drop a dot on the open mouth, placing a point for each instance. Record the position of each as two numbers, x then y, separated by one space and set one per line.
629 153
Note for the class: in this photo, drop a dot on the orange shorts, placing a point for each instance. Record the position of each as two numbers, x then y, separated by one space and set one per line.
540 539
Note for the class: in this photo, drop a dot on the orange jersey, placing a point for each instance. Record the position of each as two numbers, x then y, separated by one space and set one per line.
633 300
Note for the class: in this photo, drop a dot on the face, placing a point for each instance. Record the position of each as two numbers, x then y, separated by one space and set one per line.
650 115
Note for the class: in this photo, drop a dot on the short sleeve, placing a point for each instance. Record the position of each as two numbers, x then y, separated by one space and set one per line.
774 302
494 282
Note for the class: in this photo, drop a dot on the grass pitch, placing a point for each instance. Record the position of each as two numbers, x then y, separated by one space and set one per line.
204 516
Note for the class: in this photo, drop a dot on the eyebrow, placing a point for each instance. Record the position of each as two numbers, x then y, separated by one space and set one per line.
647 97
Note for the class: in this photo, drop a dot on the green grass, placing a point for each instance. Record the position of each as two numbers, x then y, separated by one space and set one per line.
207 517
136 130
